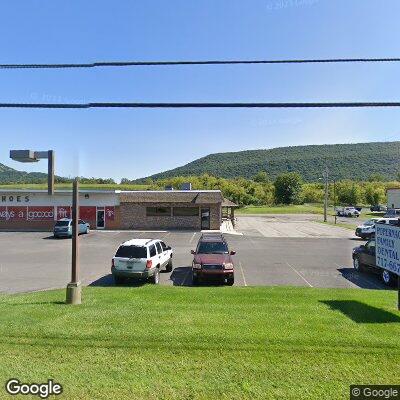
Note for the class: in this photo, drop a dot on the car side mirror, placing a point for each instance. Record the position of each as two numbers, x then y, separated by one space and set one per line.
192 252
232 253
169 248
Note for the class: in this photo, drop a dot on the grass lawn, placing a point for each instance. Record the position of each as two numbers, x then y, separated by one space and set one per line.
283 209
202 343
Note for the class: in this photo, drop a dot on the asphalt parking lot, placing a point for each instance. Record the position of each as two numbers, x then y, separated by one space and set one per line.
291 250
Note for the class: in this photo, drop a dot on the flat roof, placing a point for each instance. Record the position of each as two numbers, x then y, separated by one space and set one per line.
106 191
172 196
60 191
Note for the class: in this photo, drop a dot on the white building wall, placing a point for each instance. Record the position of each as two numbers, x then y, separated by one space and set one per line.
58 199
393 198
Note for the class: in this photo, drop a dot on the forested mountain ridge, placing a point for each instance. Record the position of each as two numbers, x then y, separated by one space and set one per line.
356 161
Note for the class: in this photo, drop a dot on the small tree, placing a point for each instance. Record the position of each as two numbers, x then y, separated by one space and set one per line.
374 194
261 177
376 178
288 188
348 192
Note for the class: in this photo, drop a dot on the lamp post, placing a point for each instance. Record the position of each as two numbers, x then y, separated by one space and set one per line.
29 156
74 290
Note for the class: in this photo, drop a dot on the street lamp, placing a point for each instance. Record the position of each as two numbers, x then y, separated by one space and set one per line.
27 156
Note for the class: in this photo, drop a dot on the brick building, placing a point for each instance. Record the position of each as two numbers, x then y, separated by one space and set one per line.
174 209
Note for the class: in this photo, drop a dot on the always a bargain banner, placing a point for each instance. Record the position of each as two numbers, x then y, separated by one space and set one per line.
50 213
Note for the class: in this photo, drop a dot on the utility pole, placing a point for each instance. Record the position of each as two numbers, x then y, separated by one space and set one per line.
334 200
326 177
74 292
50 174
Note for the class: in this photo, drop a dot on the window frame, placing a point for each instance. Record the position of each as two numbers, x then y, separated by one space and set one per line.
155 250
186 208
155 213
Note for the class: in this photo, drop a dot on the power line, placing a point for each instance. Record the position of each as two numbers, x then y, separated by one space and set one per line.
205 62
199 105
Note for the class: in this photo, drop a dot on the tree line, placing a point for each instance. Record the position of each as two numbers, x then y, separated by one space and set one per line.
286 188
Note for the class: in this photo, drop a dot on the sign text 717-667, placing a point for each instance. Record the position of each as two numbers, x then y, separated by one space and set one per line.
388 247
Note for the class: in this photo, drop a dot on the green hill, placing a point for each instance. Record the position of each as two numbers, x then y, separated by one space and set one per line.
345 161
4 168
10 175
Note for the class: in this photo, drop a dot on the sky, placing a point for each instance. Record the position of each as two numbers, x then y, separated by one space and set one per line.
134 143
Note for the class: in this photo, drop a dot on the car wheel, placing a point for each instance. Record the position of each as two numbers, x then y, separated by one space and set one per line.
155 279
119 280
230 281
169 266
388 278
357 265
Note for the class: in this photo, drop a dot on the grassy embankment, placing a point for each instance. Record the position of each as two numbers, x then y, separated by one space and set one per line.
315 208
202 343
284 209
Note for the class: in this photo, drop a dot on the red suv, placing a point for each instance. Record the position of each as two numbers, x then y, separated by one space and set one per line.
212 260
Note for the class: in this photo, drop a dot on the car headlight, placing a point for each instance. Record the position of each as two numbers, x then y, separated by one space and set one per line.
196 266
228 266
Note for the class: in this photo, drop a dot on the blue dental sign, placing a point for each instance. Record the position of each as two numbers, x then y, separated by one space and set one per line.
387 239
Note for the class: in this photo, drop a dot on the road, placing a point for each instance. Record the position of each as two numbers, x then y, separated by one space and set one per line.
272 251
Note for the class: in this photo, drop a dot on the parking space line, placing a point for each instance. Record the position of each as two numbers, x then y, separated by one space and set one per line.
241 269
191 239
299 274
362 278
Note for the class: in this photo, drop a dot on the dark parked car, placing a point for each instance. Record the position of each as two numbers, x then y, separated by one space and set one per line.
392 213
378 208
212 260
364 259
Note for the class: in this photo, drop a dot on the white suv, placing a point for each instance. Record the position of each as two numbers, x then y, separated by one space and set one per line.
141 259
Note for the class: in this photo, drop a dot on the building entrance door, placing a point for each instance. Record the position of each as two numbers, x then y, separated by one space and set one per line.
100 219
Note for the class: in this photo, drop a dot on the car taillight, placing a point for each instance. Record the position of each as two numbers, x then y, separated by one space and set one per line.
149 263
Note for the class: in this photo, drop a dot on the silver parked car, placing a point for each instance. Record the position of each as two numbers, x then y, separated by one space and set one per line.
63 228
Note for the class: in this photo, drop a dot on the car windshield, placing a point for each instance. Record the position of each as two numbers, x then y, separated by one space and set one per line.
212 248
370 222
132 252
62 223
